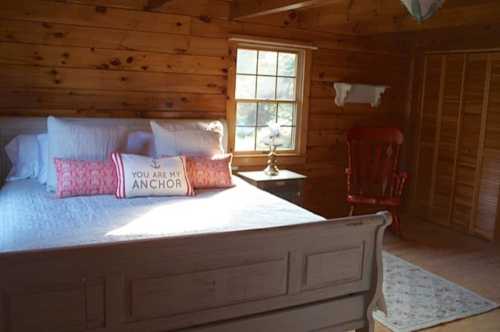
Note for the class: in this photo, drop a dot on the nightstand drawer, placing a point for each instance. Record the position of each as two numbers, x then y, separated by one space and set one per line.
288 190
292 196
281 185
287 185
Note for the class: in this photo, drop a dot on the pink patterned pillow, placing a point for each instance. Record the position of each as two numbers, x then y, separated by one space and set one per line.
210 172
85 177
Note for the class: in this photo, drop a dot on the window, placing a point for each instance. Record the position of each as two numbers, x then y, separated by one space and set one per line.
268 90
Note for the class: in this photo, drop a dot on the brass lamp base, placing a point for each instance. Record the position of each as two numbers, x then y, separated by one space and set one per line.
272 170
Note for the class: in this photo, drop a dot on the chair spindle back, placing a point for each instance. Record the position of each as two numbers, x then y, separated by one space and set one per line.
373 160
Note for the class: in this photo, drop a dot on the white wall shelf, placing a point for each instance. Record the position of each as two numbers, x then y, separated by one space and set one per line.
358 93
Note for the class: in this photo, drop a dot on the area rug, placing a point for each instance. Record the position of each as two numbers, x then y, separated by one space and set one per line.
417 299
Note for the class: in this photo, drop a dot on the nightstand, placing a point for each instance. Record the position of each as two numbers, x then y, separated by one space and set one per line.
287 184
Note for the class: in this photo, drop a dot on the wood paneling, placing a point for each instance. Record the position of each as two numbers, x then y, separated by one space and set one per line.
251 8
106 59
371 17
109 58
87 36
94 16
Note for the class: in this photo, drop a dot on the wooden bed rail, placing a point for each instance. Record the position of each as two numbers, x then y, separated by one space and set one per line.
321 276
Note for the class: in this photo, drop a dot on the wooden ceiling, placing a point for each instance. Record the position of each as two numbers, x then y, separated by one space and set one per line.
366 17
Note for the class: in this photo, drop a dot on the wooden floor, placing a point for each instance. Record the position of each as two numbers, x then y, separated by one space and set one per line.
465 260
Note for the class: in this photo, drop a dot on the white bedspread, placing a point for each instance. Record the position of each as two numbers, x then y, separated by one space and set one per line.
31 218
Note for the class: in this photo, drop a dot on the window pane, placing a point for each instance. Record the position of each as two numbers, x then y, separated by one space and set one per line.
267 62
245 87
286 116
245 139
246 114
286 88
287 64
287 138
262 138
247 62
267 114
266 87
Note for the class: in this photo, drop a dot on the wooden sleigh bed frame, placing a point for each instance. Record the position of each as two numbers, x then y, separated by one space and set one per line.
322 276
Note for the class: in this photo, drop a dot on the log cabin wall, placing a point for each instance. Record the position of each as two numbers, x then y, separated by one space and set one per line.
109 58
457 149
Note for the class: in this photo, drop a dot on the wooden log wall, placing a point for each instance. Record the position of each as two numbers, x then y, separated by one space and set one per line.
110 58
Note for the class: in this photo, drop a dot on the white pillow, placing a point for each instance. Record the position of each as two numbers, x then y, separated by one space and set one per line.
23 154
189 142
43 155
145 176
141 142
72 139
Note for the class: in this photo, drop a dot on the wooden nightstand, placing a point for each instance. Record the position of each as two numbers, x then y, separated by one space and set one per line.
287 184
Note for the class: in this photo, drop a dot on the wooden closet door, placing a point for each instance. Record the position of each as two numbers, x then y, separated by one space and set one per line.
430 105
469 141
449 115
489 183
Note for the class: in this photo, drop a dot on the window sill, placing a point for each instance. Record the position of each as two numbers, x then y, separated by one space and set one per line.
261 159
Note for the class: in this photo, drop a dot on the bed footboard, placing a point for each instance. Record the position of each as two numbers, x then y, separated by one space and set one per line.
324 276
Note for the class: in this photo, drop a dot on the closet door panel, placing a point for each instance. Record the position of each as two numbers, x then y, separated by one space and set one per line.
486 218
469 141
427 133
458 160
447 138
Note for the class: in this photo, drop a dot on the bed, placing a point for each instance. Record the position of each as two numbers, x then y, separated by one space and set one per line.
235 259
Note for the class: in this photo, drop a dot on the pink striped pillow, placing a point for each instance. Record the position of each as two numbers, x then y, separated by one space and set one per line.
85 177
210 172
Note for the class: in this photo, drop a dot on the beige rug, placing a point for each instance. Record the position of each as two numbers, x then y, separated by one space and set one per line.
418 299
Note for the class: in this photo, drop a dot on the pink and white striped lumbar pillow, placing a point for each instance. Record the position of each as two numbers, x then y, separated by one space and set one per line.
145 176
210 172
84 177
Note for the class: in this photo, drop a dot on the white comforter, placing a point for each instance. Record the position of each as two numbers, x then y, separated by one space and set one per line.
31 218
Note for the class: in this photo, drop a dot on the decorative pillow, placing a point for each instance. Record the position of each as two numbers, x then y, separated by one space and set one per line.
141 142
70 139
85 177
23 154
43 154
189 142
206 172
145 176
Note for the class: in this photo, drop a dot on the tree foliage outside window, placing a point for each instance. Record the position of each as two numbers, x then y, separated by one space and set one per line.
266 93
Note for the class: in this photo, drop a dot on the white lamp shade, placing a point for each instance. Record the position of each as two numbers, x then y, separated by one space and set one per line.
422 9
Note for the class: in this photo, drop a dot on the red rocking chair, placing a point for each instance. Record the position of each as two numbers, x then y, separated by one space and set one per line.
373 177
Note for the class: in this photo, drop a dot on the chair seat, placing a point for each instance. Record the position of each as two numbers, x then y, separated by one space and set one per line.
384 201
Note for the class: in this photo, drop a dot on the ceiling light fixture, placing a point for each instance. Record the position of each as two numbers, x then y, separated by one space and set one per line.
422 9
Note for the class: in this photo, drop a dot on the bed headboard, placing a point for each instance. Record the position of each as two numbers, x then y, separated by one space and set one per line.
13 126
